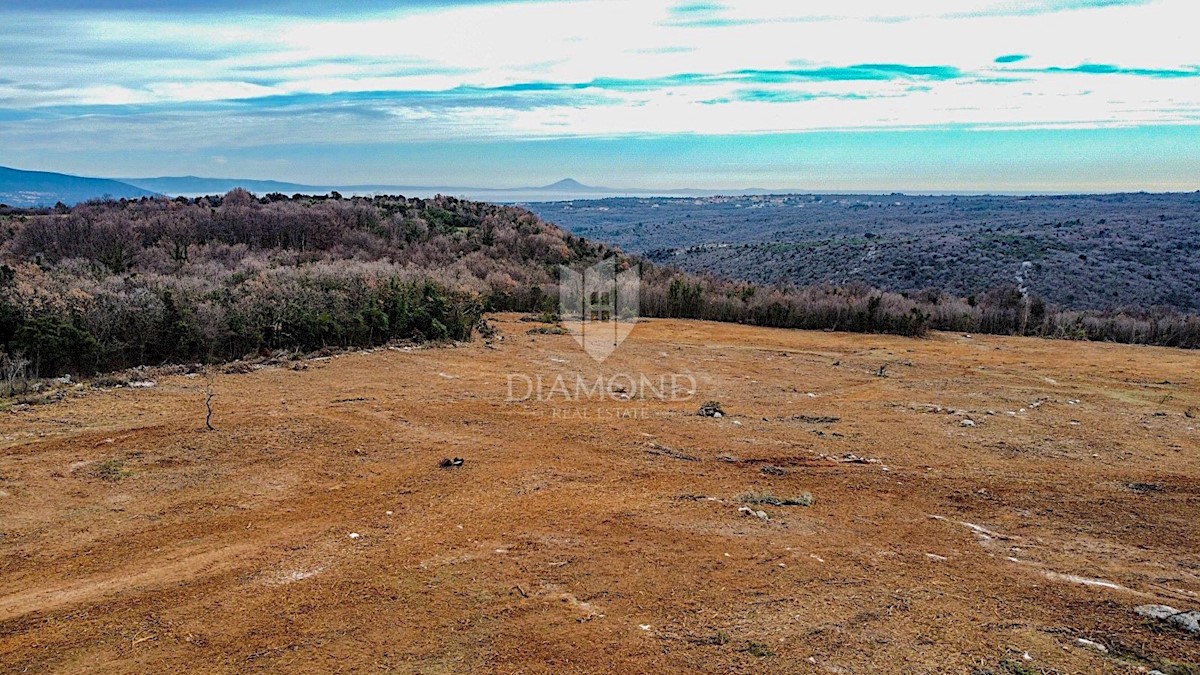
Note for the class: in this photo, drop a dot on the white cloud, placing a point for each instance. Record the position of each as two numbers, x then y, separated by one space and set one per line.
162 61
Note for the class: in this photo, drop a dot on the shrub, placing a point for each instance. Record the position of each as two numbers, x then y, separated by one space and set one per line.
112 470
805 499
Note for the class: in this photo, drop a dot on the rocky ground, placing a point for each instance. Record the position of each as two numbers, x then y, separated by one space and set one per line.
975 504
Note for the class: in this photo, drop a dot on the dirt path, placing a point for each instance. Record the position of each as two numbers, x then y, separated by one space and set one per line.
605 535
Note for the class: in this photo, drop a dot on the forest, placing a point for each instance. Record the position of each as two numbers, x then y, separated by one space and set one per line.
107 285
1097 252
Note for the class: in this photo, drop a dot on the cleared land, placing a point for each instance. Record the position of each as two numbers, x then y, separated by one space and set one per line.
606 535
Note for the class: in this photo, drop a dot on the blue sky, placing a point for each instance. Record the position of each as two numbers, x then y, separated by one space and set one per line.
925 95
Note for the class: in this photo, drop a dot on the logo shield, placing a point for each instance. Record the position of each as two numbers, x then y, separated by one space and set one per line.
599 305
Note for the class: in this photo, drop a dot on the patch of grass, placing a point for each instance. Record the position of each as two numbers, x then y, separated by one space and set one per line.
548 330
805 499
1171 667
720 638
545 316
757 649
112 470
40 398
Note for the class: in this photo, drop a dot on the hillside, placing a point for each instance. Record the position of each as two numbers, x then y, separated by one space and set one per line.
605 535
105 286
1079 252
40 188
193 185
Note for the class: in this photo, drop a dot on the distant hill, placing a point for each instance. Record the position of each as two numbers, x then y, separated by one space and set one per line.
1076 251
572 185
41 188
565 189
195 185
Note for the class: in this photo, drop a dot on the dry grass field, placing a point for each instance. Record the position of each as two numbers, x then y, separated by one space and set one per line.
609 534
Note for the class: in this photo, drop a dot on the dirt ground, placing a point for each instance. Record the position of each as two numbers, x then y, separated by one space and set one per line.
603 532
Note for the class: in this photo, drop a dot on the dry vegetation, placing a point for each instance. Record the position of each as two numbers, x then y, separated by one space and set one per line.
109 285
1095 252
570 540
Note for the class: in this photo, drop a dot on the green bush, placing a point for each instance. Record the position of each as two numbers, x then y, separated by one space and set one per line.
55 346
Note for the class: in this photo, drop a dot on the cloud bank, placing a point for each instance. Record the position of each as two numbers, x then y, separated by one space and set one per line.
134 76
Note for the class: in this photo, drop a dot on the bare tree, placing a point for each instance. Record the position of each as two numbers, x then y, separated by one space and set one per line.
14 370
208 397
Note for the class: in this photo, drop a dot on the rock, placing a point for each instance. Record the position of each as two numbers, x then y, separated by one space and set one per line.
968 423
1156 611
1188 621
355 535
747 511
816 419
448 463
1090 644
711 409
851 458
1144 487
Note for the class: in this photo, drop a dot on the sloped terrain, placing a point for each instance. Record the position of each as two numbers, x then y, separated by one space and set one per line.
1075 251
606 534
41 188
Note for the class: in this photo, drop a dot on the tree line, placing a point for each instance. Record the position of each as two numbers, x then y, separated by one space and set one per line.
111 284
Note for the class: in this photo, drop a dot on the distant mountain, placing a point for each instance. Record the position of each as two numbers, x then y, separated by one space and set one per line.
42 188
572 185
35 188
564 190
195 185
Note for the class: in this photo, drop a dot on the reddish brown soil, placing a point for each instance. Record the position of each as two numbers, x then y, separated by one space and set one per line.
579 537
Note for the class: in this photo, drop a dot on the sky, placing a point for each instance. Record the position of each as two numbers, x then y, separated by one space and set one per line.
872 95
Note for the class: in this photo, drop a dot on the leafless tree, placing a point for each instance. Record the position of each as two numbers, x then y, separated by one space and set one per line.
14 369
209 380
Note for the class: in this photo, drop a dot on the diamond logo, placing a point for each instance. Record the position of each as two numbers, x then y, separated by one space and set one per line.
599 305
